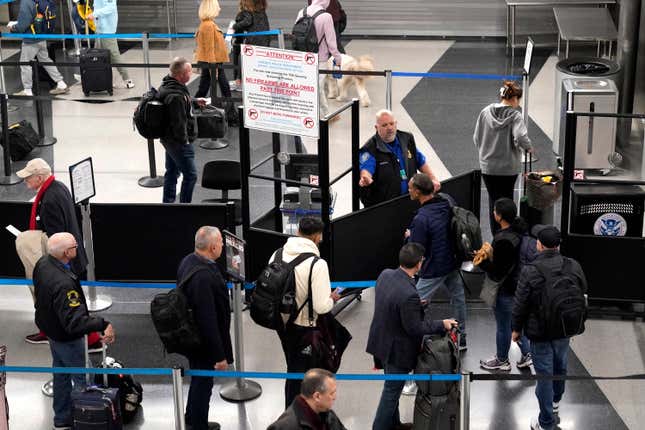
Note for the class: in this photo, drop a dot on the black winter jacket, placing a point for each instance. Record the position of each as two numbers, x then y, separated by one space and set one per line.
56 213
61 310
399 322
506 260
528 297
299 416
387 177
208 298
251 22
431 228
181 123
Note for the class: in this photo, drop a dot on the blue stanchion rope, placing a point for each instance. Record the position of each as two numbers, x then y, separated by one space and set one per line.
151 285
229 374
455 76
124 35
6 1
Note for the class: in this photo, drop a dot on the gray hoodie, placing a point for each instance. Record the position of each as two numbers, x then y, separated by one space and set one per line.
500 135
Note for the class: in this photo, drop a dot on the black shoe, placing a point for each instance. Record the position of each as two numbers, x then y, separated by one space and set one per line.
462 342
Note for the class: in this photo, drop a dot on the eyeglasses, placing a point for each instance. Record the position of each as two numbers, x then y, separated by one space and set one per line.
72 247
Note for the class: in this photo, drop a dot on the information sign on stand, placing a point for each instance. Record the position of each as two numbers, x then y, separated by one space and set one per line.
280 90
241 389
81 177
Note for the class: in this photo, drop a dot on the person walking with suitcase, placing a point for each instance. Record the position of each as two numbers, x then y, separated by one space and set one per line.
550 308
62 315
106 16
36 48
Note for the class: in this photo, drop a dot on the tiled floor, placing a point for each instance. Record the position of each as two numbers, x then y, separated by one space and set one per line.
440 114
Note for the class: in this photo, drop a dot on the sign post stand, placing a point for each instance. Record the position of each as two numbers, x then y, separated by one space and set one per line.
82 181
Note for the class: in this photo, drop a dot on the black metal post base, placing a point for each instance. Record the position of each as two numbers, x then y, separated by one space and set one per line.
10 180
240 390
150 182
47 141
214 144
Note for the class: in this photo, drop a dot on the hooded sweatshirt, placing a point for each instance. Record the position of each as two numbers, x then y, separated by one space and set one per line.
320 285
106 15
324 25
500 135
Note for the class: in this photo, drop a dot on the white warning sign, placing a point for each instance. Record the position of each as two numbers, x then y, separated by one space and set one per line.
280 90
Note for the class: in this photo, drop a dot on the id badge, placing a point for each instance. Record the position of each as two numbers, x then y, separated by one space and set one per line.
404 177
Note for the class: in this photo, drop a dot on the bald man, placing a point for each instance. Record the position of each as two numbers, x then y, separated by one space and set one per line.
61 313
207 295
388 160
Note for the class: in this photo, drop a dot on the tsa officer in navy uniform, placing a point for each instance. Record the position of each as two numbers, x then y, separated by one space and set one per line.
388 160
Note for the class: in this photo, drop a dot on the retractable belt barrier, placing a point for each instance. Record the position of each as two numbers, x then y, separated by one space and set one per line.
169 285
127 35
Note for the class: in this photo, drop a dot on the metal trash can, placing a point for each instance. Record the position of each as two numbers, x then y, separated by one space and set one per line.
581 68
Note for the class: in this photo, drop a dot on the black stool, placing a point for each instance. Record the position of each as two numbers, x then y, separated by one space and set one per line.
224 175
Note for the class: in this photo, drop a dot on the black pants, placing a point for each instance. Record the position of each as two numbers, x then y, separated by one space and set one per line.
236 62
339 45
498 186
205 81
297 362
199 395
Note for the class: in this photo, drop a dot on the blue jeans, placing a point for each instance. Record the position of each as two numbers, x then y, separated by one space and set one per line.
549 358
66 354
426 287
199 395
503 315
179 159
387 413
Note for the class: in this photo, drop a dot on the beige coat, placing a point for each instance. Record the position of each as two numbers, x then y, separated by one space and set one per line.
30 246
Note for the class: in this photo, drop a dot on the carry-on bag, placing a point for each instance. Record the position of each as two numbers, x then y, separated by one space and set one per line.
130 391
22 140
211 122
96 407
436 406
96 71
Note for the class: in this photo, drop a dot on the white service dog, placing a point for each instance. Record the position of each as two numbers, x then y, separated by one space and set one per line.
337 88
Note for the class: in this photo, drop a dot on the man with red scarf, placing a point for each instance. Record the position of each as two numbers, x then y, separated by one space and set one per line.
53 212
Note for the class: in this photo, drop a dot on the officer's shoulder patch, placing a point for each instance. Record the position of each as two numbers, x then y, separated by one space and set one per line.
73 299
365 156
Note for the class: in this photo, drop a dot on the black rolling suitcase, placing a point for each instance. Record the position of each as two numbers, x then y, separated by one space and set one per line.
436 406
96 71
96 408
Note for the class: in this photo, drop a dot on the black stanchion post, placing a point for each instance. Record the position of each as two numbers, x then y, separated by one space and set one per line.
214 143
9 178
40 122
356 171
245 165
277 187
567 175
152 181
323 182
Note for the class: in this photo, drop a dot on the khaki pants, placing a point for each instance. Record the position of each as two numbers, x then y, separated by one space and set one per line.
115 55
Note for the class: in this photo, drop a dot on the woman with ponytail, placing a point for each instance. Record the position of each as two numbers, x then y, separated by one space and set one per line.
500 136
504 264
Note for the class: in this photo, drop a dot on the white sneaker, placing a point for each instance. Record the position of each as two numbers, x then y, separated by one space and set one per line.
61 88
526 361
535 424
129 84
556 408
410 388
25 92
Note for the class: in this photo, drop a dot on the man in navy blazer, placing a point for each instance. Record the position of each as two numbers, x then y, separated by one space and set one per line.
397 329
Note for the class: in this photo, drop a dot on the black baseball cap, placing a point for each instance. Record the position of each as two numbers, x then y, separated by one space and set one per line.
548 235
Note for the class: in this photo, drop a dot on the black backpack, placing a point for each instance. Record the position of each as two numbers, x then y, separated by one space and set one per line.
304 32
151 115
274 297
466 233
563 307
173 319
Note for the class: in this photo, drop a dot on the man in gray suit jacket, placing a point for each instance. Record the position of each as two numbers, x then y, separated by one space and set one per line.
397 329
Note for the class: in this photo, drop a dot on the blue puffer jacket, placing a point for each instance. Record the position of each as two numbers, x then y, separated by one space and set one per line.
431 228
